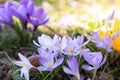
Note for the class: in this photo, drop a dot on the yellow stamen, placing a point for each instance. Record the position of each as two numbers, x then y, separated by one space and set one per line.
71 50
50 65
24 64
59 45
83 47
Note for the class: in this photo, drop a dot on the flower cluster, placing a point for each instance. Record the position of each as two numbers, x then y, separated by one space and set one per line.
107 39
102 41
53 51
25 10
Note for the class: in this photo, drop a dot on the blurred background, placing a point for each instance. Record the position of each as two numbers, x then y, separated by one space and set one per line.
87 15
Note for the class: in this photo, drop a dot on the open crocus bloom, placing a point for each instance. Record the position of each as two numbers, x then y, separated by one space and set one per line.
95 59
44 41
49 63
74 46
55 44
103 41
59 43
25 64
46 53
73 68
39 17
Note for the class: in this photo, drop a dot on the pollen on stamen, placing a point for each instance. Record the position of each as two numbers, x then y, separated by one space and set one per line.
50 65
24 64
71 50
59 45
37 17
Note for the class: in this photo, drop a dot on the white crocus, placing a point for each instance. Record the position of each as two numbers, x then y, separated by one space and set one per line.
25 64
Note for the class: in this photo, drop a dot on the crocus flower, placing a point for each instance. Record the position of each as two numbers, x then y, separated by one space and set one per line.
44 41
48 64
25 64
73 68
59 43
55 44
39 17
46 53
20 12
104 42
4 18
95 59
74 46
6 14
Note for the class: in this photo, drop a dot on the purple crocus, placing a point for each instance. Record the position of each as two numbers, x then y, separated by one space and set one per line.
74 46
104 42
25 64
73 68
44 41
54 44
95 59
46 53
20 11
39 17
4 18
6 14
59 43
50 63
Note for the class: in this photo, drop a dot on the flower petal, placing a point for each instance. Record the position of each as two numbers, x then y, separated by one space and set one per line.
23 58
58 62
26 75
18 63
86 67
67 70
36 43
41 68
104 60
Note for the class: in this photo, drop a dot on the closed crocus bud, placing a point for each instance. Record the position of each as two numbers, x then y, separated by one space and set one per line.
95 59
73 68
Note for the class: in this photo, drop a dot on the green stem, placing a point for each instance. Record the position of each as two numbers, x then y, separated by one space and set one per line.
95 71
104 67
47 76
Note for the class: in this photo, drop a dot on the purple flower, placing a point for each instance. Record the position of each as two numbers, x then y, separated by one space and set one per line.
50 63
55 44
104 42
59 43
1 5
6 14
95 59
74 46
39 17
73 68
44 41
46 53
25 64
20 11
29 5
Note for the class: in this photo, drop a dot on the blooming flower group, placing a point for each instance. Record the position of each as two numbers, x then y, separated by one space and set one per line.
25 10
53 51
